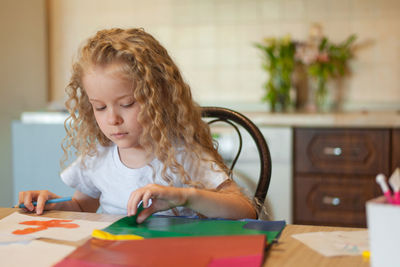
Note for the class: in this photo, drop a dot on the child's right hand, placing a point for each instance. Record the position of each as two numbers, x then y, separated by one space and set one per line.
40 196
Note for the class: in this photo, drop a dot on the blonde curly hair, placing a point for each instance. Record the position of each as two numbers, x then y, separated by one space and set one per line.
169 116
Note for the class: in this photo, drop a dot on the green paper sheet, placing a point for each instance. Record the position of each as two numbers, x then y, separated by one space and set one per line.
166 226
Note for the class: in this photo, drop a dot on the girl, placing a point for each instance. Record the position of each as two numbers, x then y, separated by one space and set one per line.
139 137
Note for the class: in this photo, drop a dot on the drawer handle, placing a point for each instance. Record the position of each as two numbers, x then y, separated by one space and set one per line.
333 151
334 201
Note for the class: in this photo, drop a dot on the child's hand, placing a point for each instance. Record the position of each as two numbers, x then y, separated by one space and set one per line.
40 196
163 198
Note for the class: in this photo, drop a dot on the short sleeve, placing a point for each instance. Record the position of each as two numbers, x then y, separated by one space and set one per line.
76 176
213 175
206 172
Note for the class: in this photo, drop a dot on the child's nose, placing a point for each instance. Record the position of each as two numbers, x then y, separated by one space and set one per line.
114 118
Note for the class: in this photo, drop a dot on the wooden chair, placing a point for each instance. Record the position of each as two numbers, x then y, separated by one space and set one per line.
235 119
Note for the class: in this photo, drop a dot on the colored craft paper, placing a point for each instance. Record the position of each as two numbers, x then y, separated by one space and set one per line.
107 236
40 226
33 254
168 226
337 243
214 251
253 260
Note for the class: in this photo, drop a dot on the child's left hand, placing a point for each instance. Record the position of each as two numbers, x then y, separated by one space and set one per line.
162 197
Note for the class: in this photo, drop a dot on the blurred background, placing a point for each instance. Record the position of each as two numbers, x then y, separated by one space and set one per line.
212 41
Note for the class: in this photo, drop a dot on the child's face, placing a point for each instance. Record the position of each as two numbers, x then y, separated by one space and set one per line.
113 104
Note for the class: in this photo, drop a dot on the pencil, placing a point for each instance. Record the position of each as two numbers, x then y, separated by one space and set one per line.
53 200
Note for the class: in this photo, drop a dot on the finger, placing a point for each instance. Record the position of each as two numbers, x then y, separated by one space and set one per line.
41 202
28 201
21 197
147 199
145 214
134 199
130 203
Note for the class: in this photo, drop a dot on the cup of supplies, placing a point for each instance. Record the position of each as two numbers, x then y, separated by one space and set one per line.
383 221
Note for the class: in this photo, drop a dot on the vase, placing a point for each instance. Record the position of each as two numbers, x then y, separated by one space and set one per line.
280 101
321 101
319 94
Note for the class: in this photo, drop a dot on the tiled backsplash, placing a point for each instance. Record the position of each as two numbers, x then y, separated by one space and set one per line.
212 41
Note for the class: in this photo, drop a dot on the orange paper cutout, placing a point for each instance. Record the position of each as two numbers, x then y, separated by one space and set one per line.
43 225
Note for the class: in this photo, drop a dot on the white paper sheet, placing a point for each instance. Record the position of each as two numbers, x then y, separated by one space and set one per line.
337 243
12 222
6 239
33 254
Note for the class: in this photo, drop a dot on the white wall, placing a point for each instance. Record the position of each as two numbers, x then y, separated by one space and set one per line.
212 41
23 74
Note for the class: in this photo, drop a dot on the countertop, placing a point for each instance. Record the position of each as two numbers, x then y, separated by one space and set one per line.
370 119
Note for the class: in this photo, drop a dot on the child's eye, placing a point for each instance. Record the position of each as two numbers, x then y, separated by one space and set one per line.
127 105
100 108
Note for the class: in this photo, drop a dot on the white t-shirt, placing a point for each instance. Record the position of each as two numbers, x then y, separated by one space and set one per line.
106 178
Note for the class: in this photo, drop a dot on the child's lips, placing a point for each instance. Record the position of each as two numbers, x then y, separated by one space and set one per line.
119 135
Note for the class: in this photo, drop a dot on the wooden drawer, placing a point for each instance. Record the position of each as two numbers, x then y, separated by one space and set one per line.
330 200
341 151
395 149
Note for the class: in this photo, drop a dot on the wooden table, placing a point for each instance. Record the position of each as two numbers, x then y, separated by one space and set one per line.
288 252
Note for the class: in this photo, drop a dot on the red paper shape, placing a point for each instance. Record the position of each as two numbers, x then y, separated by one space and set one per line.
254 260
213 251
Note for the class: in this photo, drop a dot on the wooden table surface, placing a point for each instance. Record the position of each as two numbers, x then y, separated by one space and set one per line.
288 252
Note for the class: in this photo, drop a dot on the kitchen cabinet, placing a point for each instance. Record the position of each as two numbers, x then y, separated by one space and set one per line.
396 149
334 173
36 158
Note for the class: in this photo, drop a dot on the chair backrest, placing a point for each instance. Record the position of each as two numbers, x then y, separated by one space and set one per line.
233 118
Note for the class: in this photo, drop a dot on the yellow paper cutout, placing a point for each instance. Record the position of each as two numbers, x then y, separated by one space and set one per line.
107 236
